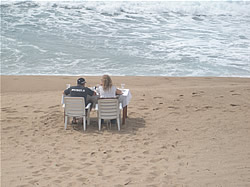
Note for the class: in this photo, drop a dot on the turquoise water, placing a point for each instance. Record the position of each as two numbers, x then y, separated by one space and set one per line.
125 38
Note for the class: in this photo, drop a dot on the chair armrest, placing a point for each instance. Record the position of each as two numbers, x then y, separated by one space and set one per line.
96 107
62 100
88 106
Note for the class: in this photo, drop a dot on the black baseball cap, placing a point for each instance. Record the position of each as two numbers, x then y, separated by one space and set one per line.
81 81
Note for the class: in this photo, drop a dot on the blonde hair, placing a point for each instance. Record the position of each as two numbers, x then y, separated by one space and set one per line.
106 82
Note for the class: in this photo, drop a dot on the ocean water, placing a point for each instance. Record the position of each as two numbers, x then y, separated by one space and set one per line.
126 38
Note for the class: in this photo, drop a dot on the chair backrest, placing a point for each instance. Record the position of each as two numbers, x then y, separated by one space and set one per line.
74 106
108 108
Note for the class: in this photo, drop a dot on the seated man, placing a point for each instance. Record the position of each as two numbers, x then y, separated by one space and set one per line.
80 91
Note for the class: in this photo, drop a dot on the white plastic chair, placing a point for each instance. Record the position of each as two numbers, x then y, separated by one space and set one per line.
109 108
75 107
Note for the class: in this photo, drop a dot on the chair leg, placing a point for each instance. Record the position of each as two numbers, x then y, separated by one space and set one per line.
118 124
123 115
88 118
84 123
109 124
99 123
64 115
66 121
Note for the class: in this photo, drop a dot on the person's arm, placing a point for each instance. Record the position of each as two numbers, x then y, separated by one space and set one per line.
90 92
67 91
118 92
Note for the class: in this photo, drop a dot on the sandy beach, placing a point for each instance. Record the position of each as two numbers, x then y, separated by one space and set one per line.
179 132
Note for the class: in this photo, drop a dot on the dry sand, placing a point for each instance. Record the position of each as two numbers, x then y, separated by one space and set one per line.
179 132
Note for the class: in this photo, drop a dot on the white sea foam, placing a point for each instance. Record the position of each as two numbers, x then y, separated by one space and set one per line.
126 38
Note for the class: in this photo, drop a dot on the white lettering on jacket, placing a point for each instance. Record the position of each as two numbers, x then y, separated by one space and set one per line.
78 90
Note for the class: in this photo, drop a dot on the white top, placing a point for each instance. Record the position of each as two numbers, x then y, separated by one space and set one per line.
107 93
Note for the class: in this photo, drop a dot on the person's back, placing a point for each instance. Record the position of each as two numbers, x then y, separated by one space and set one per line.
80 90
107 93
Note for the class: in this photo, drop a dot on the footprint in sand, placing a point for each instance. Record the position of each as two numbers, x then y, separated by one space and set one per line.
156 108
203 108
127 181
195 94
54 106
131 113
82 179
157 97
123 168
235 94
8 110
64 169
207 107
5 108
126 157
150 179
155 174
221 96
144 108
182 164
7 128
155 160
180 157
87 164
37 111
57 181
34 182
164 147
234 105
173 107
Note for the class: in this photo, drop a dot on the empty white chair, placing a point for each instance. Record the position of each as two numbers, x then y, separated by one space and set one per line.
107 109
75 107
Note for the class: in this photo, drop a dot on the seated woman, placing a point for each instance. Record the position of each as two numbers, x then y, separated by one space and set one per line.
108 90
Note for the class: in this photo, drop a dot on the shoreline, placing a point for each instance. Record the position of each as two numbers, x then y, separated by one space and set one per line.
9 83
189 131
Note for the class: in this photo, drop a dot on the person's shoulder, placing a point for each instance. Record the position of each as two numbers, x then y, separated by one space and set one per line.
87 88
